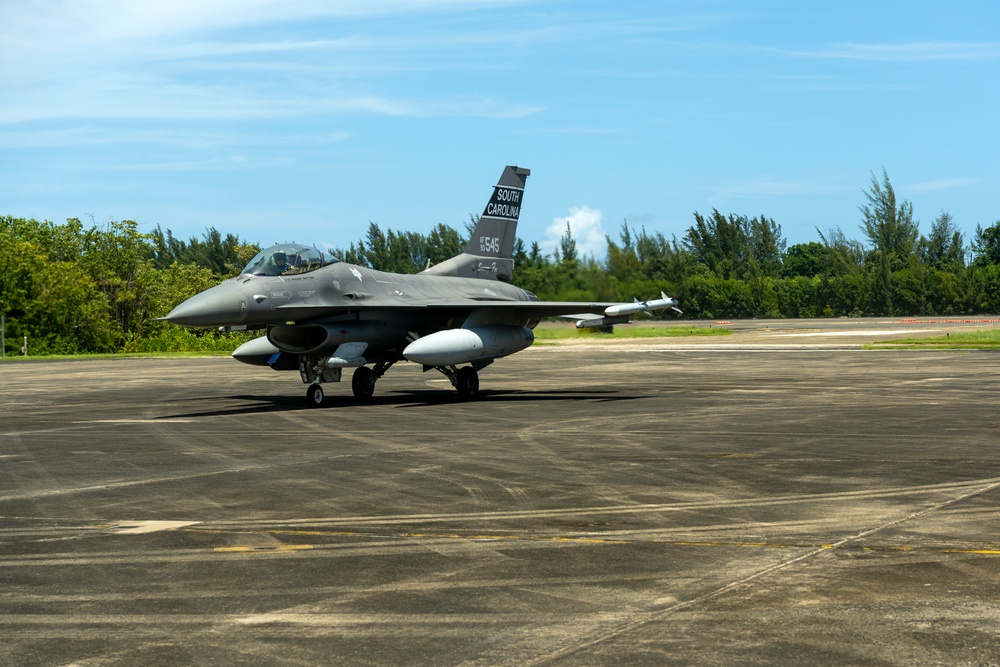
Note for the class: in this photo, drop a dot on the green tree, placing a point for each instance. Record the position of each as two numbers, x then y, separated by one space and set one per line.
766 247
54 303
567 247
69 314
718 243
892 232
804 259
986 245
443 243
799 296
535 273
116 257
944 246
225 256
843 256
736 246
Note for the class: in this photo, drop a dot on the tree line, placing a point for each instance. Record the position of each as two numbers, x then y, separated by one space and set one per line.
735 266
71 288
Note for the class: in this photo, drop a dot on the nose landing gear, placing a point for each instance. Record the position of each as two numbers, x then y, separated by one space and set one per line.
314 395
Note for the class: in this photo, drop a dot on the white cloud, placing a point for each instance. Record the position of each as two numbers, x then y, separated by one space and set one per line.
912 52
585 225
189 60
944 184
100 21
769 186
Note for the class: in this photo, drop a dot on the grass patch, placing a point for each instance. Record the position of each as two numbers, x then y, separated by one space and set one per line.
570 332
83 356
981 339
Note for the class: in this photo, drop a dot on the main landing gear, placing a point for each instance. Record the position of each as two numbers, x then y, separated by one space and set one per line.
467 382
362 383
464 379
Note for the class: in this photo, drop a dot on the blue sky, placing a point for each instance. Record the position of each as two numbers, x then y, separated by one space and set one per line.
303 120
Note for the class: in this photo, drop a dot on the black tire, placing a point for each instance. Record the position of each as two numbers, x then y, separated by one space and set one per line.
467 382
361 383
314 395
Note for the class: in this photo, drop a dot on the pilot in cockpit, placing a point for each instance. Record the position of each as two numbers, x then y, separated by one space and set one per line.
280 260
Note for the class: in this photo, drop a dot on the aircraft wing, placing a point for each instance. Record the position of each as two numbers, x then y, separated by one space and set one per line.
591 314
587 314
536 308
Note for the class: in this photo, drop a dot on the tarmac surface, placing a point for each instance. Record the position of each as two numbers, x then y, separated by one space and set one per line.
767 498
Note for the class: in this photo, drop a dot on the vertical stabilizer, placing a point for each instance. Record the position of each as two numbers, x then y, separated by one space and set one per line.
488 254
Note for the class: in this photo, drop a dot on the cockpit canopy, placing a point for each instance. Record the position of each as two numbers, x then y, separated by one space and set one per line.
287 259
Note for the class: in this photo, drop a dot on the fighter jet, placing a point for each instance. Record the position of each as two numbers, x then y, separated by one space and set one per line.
322 315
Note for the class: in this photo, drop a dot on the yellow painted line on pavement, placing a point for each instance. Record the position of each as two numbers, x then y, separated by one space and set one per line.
265 548
568 539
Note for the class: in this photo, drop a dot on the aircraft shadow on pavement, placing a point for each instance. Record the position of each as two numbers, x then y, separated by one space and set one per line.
398 399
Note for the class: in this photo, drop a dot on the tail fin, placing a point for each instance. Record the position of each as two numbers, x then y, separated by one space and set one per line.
489 252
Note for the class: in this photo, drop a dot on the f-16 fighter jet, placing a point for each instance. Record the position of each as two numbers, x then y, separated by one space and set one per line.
323 315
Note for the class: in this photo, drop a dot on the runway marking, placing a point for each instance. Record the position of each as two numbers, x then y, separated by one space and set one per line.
790 499
715 347
143 527
159 420
265 548
648 618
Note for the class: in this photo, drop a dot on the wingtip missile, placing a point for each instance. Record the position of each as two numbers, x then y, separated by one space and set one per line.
641 306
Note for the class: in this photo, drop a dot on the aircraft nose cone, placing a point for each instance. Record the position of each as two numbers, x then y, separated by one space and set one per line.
219 306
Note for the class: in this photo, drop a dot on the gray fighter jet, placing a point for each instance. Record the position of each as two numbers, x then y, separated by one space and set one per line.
323 315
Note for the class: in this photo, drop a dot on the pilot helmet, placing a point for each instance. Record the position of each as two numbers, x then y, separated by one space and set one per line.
279 255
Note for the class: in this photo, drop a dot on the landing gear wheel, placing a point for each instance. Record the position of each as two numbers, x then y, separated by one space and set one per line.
467 382
315 395
362 384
